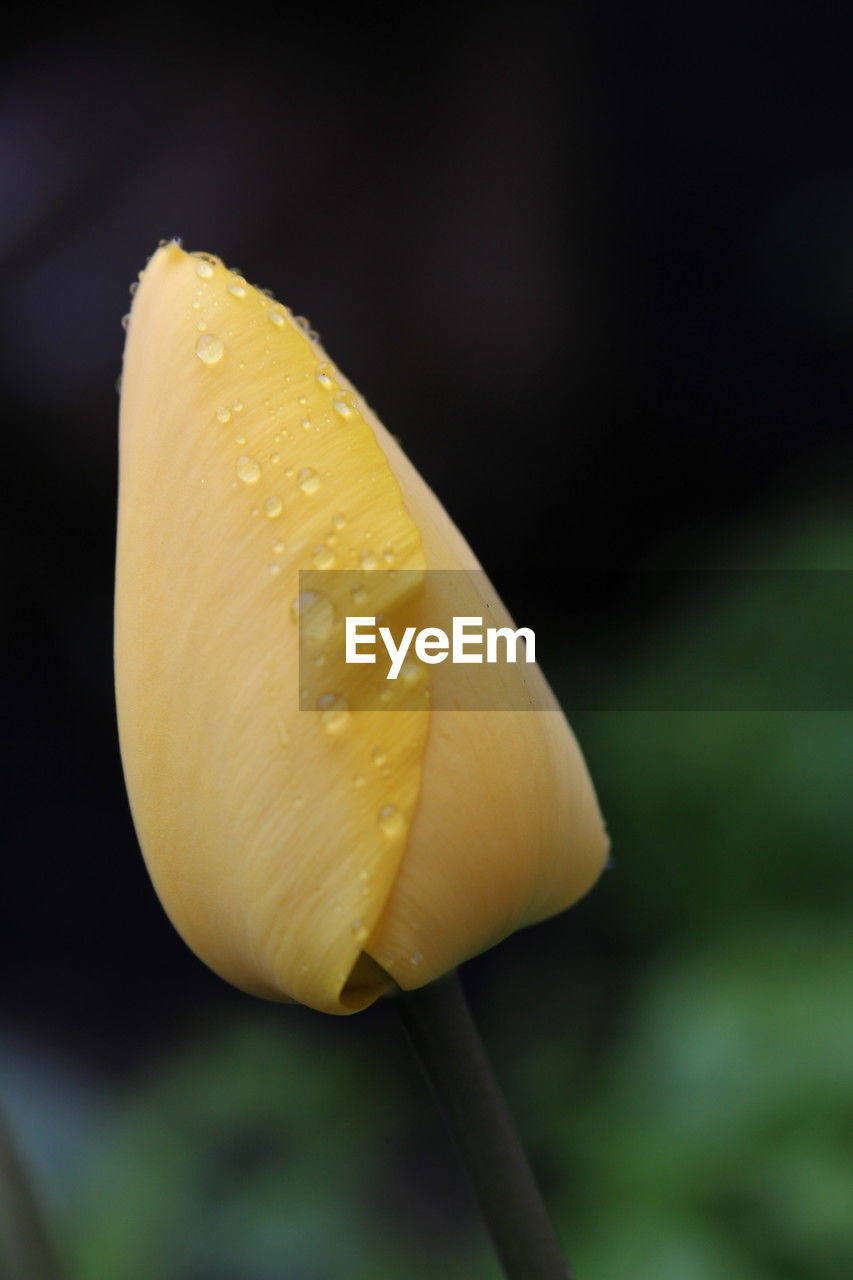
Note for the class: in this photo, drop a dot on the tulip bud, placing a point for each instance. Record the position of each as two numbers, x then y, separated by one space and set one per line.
316 856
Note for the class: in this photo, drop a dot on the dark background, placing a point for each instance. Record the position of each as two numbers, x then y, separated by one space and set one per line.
596 272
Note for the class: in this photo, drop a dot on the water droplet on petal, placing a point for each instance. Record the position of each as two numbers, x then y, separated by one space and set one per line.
342 406
359 931
209 349
359 594
412 672
204 268
416 958
237 288
338 521
324 378
368 560
248 470
272 508
322 557
315 614
305 325
278 548
391 821
308 480
334 711
276 315
378 757
223 414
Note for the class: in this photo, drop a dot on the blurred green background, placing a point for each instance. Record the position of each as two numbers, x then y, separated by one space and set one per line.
594 268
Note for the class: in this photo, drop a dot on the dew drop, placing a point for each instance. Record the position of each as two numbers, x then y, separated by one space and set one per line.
241 440
359 781
301 399
359 931
305 325
411 673
378 757
322 557
416 958
359 594
223 414
368 560
342 406
315 614
210 350
238 406
391 821
308 480
125 321
334 711
204 268
275 570
276 315
237 288
278 548
305 424
248 470
272 508
338 521
283 735
323 376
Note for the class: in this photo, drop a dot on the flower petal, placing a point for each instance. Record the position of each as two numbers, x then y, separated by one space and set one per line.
264 828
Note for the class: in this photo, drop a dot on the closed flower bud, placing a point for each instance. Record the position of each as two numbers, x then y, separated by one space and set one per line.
319 856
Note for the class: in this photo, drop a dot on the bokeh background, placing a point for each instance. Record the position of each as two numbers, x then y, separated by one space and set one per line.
596 271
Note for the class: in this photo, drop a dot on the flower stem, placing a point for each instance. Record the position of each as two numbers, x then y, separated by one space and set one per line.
451 1053
27 1231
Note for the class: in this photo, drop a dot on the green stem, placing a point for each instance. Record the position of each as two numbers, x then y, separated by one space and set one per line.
451 1053
27 1231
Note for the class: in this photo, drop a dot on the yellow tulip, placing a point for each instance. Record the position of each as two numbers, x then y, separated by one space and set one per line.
320 857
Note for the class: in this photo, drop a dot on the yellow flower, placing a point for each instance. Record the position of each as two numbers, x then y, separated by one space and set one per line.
314 856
